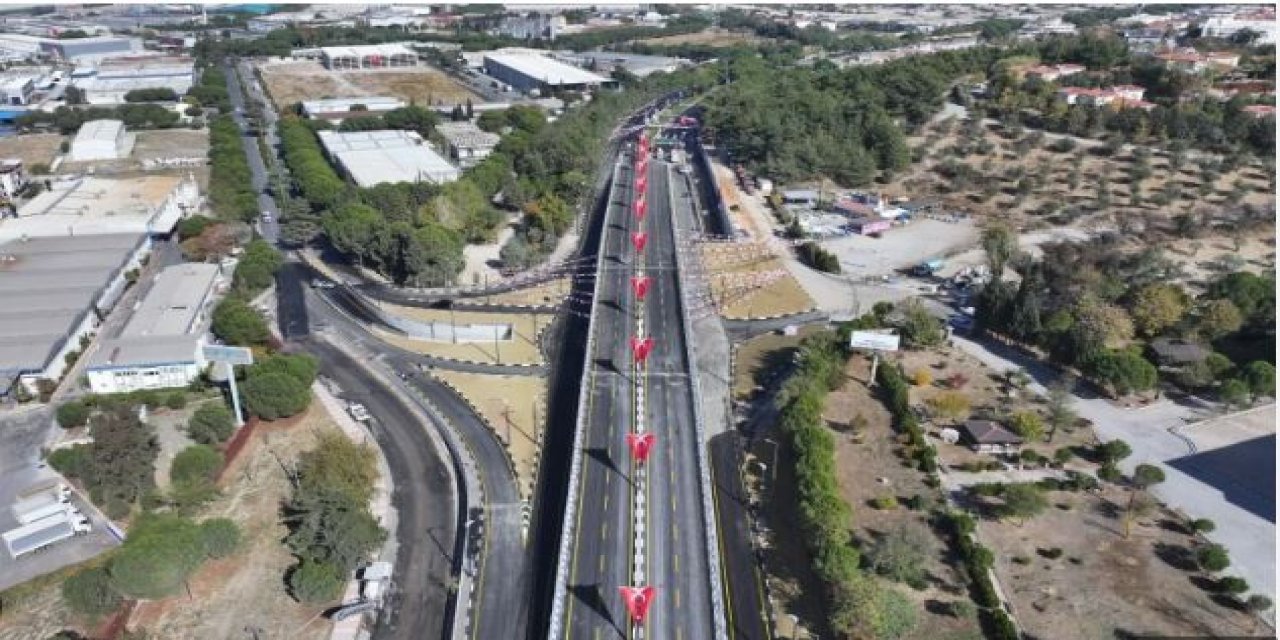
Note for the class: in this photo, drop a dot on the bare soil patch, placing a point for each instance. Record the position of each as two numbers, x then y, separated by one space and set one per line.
758 360
246 591
292 82
34 148
1102 583
707 37
747 280
550 292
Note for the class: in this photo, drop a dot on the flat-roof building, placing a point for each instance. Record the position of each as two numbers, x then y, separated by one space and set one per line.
468 144
148 205
377 157
101 140
16 89
161 344
338 109
56 290
86 49
529 72
369 56
111 81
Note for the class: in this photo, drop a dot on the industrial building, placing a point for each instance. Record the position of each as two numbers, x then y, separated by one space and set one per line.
377 157
161 344
371 56
529 72
101 140
56 292
13 177
110 82
65 260
16 89
89 49
635 64
468 144
337 109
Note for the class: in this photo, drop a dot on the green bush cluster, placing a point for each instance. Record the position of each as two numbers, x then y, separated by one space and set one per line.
163 550
67 120
317 181
231 191
256 269
895 389
154 94
211 91
977 561
279 385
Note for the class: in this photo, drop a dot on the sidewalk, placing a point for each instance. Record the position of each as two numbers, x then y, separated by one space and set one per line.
380 507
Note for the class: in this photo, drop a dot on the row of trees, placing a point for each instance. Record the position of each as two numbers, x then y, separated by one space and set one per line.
231 194
211 90
67 120
330 527
154 94
859 604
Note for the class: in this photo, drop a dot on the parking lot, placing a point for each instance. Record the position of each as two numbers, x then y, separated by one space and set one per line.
901 247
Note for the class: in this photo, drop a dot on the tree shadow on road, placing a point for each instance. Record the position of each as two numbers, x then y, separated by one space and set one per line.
590 595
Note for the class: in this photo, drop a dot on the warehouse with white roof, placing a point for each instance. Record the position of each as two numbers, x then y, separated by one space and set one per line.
368 56
101 140
377 157
161 344
527 72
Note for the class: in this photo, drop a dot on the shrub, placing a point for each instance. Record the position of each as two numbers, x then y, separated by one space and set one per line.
73 414
1231 585
272 396
91 593
1052 553
176 400
219 536
922 378
1110 472
961 609
211 424
999 625
1212 558
1063 455
314 581
885 503
70 461
195 464
1203 525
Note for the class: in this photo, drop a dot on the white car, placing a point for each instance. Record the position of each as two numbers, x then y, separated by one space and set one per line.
358 412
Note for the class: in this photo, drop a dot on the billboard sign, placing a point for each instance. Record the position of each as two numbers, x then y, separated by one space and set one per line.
228 355
873 340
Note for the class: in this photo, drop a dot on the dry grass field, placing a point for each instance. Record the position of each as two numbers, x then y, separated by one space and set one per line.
514 407
708 37
748 281
292 82
35 148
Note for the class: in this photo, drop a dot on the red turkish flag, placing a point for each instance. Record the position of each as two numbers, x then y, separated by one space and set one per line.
641 444
640 348
640 286
639 239
641 183
641 207
637 600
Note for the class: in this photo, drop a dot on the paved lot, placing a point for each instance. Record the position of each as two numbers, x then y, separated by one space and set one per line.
1230 480
901 247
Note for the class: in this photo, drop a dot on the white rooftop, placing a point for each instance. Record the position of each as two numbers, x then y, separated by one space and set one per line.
374 103
173 305
92 206
375 157
101 130
368 50
545 69
467 135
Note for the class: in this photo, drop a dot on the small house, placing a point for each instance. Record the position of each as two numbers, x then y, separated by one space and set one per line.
1172 352
988 436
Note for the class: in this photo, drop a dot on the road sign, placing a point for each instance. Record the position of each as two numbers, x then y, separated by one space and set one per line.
228 355
873 340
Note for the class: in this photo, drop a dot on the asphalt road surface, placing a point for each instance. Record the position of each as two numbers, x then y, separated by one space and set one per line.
603 536
423 497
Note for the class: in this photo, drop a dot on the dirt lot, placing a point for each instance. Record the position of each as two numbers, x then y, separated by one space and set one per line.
868 468
901 247
35 148
756 361
246 591
746 280
1102 583
292 82
546 293
708 37
514 408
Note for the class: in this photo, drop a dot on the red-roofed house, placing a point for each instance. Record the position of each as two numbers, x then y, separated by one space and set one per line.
1193 61
1260 111
1051 73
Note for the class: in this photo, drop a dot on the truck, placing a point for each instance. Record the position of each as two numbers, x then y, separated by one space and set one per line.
358 411
40 504
43 533
927 268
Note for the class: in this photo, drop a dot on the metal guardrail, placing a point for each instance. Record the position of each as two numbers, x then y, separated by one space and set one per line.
565 560
711 536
